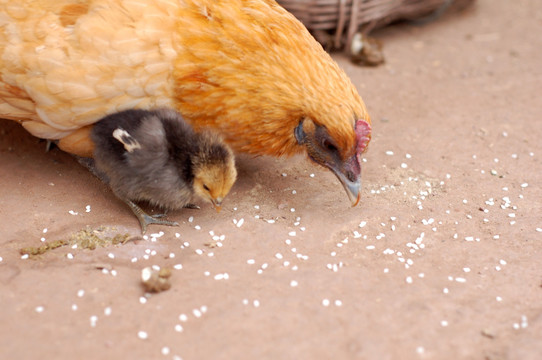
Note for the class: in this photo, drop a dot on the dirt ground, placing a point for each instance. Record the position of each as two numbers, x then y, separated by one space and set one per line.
442 259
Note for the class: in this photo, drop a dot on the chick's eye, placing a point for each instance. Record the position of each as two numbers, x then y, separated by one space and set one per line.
206 187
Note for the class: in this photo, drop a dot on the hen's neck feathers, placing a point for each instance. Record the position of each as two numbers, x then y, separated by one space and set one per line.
253 71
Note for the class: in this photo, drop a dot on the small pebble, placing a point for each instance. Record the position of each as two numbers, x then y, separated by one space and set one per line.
142 335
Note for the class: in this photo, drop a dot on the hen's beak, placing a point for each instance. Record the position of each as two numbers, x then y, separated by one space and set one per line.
350 177
217 203
347 171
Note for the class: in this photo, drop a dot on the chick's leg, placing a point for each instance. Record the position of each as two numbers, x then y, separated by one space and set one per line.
145 219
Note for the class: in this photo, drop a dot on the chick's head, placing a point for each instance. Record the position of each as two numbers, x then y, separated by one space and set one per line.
214 170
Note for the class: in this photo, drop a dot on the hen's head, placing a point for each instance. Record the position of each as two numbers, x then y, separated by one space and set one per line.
330 151
253 72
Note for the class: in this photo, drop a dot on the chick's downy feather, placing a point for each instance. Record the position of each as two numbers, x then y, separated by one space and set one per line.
246 68
155 156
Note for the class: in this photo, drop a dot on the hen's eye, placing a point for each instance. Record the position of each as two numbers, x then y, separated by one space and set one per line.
205 187
329 146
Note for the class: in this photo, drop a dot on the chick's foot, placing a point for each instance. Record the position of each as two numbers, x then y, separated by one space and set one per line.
145 219
191 206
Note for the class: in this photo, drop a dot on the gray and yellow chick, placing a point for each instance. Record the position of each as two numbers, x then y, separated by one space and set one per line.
156 157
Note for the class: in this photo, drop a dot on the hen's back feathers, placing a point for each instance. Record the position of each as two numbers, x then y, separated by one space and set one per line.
64 64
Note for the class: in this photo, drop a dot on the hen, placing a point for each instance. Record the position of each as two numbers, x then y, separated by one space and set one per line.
246 68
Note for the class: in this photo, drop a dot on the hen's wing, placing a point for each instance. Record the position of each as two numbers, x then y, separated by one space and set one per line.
65 64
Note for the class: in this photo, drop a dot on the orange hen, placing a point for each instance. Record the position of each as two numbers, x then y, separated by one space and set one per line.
246 68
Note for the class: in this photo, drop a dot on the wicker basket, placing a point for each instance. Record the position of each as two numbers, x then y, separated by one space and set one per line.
335 22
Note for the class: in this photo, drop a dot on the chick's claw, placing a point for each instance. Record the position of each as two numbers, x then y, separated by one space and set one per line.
158 216
192 206
145 219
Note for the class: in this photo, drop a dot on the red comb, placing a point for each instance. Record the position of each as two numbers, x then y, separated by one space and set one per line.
363 135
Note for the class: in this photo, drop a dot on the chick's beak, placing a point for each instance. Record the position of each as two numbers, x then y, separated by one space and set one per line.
217 203
349 174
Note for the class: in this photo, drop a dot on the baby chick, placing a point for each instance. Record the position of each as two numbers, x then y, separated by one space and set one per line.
155 156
